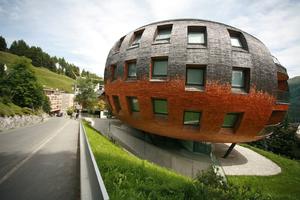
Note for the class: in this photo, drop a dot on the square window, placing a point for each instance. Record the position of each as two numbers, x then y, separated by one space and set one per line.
160 68
117 103
160 106
238 79
113 72
195 76
235 42
192 118
238 40
230 120
119 44
134 104
196 35
131 70
163 33
137 38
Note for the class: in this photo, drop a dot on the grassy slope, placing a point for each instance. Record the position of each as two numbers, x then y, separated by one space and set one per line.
285 185
294 86
44 76
128 177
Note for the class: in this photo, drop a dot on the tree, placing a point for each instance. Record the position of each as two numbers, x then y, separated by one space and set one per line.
86 97
22 86
46 104
19 48
3 45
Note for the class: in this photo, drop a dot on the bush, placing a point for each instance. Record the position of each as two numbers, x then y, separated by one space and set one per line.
70 111
283 141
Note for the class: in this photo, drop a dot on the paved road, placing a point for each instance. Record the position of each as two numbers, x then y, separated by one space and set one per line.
40 162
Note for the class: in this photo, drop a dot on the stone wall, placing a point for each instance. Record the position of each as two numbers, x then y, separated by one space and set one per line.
20 121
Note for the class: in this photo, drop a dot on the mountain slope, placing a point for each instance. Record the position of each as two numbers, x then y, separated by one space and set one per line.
294 109
44 76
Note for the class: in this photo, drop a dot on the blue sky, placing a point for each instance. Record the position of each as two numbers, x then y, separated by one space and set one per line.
83 31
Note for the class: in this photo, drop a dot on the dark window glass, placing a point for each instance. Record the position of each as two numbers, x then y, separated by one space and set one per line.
134 104
192 118
163 33
160 106
117 103
231 120
160 68
131 70
114 72
137 39
238 78
196 35
195 76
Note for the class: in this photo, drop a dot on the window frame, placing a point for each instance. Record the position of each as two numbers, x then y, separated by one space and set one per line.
130 102
135 44
117 103
162 28
199 67
113 72
119 44
127 64
197 29
241 38
246 81
239 116
191 111
153 60
153 106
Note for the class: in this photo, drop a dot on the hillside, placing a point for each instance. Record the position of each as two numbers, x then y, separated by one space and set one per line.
45 77
294 87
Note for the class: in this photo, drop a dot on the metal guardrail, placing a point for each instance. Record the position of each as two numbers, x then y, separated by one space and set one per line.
91 183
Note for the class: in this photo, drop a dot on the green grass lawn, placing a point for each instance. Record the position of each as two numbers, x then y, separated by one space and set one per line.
128 177
44 76
283 186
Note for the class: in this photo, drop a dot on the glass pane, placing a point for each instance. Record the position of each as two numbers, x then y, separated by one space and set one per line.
137 40
117 103
163 34
134 104
235 42
196 37
195 76
191 118
115 71
131 69
160 106
230 120
160 68
237 78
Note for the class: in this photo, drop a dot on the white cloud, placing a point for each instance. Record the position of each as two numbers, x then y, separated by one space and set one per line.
84 31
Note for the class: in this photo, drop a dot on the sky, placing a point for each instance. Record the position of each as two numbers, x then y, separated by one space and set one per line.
83 31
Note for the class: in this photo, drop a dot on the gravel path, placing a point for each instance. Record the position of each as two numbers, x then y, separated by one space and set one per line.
243 161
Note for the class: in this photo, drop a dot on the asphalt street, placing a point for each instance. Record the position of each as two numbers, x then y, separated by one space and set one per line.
40 161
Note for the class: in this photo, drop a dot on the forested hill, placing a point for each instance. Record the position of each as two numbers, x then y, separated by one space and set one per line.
294 109
40 58
44 76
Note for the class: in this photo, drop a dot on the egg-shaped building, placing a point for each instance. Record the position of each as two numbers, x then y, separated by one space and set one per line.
195 80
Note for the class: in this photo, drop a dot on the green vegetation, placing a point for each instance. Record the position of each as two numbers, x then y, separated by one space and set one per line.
282 186
294 109
128 177
87 96
11 109
44 76
283 141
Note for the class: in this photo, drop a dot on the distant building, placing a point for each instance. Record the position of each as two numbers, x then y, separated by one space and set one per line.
55 98
67 101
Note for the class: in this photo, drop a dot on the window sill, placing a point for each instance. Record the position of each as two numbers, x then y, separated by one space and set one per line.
227 130
191 127
161 42
194 88
239 91
196 46
132 47
239 49
161 116
158 80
